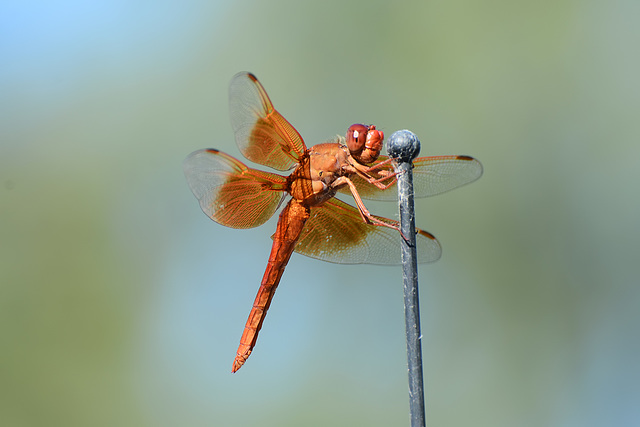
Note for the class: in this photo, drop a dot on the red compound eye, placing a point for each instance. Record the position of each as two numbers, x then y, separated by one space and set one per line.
356 138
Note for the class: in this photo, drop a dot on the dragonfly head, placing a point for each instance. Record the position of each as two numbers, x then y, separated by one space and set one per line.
364 142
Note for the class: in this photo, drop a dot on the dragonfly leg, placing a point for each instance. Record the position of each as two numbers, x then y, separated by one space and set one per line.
364 212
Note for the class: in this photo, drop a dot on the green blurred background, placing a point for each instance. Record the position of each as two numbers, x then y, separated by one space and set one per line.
121 304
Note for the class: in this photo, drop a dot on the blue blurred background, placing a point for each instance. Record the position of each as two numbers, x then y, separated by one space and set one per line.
121 304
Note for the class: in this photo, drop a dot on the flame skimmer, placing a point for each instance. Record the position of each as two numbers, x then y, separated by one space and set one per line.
313 222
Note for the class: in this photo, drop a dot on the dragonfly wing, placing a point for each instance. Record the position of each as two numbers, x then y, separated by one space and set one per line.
336 232
263 135
439 174
229 192
431 176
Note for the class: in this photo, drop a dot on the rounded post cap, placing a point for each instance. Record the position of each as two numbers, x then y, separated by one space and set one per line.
403 145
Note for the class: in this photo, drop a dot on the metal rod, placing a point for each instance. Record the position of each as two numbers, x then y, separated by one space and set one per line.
404 146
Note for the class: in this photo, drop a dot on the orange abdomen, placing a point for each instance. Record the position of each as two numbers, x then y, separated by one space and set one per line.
290 225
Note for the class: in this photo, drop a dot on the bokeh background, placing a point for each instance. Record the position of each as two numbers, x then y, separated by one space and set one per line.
121 304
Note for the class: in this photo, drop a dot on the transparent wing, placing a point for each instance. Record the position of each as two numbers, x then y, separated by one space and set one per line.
335 232
262 134
229 192
431 176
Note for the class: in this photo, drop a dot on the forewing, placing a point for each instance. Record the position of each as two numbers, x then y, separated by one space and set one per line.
439 174
262 134
336 232
229 192
431 176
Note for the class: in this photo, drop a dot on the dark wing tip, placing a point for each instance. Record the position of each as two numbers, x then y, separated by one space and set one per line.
427 234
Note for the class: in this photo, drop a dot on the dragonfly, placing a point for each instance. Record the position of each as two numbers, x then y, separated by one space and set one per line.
313 222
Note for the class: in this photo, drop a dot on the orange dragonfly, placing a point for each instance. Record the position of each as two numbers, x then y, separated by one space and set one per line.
313 222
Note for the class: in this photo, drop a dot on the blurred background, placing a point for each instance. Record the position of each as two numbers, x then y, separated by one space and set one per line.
122 304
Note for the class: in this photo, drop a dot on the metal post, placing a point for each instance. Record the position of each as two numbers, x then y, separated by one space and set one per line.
404 146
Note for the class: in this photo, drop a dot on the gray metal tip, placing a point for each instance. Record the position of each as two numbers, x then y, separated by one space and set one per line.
403 145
